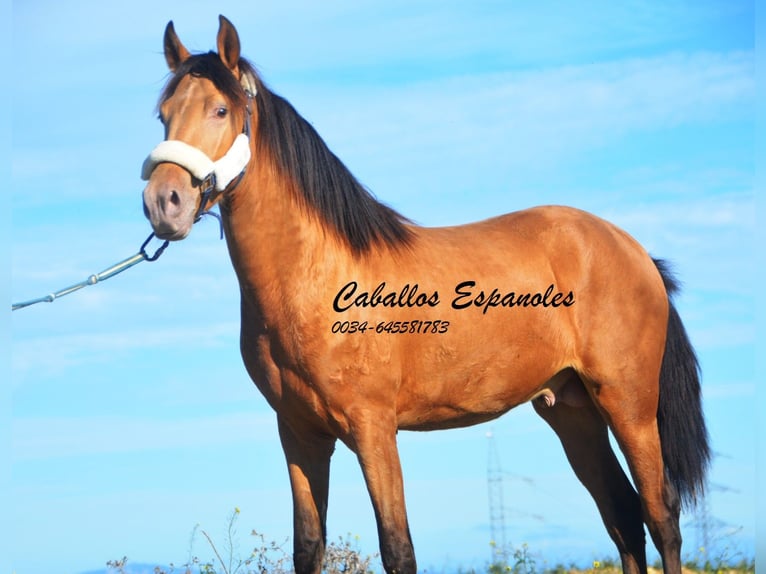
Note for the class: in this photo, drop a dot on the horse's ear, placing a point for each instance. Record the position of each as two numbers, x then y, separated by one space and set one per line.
228 44
175 52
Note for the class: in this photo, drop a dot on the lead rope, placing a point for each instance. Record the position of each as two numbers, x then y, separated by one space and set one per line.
208 192
142 255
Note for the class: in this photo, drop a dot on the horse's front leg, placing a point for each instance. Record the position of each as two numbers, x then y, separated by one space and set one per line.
308 462
374 442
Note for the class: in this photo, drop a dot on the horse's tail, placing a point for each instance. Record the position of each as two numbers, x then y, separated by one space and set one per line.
683 434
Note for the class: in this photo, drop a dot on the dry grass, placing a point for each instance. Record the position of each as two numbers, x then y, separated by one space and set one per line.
342 556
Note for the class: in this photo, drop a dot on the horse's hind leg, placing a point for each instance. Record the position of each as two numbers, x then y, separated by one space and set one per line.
584 436
639 440
308 463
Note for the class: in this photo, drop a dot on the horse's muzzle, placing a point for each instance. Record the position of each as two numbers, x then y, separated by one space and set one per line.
170 202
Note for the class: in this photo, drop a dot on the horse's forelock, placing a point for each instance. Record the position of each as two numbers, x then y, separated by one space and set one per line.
211 67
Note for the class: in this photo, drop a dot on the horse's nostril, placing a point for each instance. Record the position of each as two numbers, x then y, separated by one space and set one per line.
175 199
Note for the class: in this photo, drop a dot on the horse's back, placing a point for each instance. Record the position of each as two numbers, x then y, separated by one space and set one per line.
575 244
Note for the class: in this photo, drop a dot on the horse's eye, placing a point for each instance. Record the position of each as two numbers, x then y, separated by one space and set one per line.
221 112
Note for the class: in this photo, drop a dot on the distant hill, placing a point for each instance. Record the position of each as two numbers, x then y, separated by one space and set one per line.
137 568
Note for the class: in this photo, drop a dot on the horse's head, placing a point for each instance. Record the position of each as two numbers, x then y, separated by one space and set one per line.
205 111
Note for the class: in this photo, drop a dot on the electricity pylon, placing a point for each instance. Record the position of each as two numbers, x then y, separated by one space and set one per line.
495 479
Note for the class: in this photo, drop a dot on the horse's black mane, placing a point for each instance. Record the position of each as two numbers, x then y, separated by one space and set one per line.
322 182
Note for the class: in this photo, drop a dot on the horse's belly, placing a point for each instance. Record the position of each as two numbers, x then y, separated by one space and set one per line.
437 418
477 377
453 400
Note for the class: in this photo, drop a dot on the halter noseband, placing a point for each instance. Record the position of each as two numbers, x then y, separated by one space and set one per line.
214 175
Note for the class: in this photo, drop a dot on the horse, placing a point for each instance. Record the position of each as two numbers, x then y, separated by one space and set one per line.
357 323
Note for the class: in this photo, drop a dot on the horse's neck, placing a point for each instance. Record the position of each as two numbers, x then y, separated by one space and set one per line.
279 252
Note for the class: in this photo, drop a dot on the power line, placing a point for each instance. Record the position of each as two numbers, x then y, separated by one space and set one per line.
495 479
707 526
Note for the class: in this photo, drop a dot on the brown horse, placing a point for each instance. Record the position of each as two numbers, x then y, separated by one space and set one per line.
357 323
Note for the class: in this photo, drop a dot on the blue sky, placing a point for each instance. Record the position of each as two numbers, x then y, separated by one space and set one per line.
132 418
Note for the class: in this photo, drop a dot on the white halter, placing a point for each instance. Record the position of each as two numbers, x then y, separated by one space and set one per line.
197 163
221 172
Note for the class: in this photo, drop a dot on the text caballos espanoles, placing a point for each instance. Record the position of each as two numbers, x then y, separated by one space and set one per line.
466 295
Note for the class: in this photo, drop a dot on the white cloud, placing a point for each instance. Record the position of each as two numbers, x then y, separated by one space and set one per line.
71 349
431 36
730 389
465 131
696 217
724 334
36 438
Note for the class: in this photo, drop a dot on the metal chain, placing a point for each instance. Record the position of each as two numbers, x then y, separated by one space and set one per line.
142 255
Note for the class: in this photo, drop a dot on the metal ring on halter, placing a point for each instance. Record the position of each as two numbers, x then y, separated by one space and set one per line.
157 253
207 194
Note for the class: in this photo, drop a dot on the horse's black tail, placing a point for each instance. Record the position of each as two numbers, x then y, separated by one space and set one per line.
683 434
